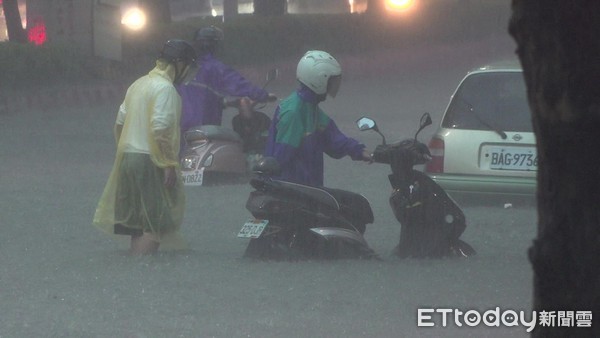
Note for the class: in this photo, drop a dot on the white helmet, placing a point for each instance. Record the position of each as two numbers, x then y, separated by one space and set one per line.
315 69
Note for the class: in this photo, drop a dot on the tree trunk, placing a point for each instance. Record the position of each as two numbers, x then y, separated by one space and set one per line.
270 7
230 9
559 49
16 32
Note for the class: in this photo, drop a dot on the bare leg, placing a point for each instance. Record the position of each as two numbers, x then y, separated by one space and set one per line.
145 244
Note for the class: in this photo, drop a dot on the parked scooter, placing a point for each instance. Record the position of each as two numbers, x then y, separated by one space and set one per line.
294 221
219 155
431 221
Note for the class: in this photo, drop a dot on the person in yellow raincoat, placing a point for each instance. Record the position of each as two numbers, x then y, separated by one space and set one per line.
144 196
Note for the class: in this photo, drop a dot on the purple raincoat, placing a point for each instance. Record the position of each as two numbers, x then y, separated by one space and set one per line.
202 99
299 135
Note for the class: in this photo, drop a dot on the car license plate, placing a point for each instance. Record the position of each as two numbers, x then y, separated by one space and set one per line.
253 228
193 177
510 158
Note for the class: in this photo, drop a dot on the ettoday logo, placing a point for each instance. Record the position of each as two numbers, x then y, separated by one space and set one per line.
509 318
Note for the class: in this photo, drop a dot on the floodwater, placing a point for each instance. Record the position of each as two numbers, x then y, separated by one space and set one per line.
61 277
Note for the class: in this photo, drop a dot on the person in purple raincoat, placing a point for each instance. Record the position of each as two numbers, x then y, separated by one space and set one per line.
202 98
301 132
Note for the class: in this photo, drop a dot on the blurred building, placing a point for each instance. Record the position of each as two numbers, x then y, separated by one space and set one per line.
3 31
78 21
62 20
92 26
300 6
183 9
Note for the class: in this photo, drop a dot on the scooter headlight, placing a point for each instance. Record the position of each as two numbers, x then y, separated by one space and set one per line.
190 162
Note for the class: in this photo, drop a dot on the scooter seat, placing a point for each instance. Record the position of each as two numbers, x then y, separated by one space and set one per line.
353 205
211 132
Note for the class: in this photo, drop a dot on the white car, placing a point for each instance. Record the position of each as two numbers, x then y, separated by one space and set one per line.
485 143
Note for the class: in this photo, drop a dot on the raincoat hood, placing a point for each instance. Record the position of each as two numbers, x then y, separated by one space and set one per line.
165 70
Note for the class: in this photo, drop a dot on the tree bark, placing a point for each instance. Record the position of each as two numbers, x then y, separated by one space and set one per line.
559 49
270 7
16 32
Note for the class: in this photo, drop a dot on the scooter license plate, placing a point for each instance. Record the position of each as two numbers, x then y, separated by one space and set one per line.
193 177
253 228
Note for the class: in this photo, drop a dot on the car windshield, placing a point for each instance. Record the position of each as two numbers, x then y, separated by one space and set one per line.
490 101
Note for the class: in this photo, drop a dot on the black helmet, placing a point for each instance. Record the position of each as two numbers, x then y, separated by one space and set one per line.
207 38
174 51
267 166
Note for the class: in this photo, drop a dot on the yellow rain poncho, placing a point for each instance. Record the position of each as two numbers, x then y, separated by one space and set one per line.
150 117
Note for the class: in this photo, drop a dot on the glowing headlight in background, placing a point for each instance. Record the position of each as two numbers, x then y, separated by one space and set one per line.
134 18
399 5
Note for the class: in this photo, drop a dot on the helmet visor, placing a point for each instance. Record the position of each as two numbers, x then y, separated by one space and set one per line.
190 74
187 74
333 85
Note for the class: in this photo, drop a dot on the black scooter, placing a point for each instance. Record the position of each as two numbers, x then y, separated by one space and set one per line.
431 221
295 222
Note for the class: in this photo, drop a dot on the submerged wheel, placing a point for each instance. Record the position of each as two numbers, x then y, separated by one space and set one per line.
272 248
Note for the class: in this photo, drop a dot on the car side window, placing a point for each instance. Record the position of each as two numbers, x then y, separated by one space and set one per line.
487 99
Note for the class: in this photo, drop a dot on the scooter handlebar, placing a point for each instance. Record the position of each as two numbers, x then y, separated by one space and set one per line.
237 102
234 103
381 154
411 150
272 97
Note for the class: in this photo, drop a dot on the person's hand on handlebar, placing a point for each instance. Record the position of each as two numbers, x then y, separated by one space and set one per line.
367 156
246 108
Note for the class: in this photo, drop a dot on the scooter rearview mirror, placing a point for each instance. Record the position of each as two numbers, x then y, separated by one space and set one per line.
365 123
272 74
425 121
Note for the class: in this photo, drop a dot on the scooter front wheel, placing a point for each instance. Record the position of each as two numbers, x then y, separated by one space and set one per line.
273 247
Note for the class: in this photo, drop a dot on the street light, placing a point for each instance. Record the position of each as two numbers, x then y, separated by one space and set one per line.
134 18
399 5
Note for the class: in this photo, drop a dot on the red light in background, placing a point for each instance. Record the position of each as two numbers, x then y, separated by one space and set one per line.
37 33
